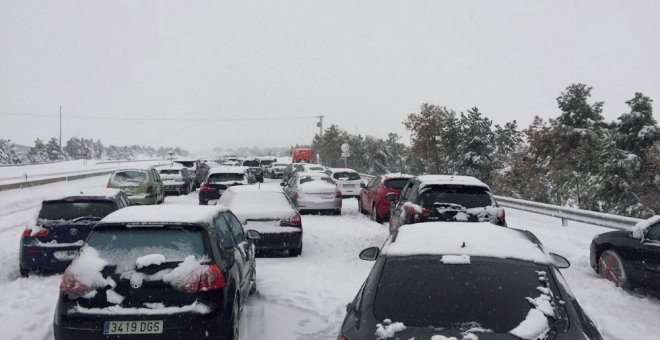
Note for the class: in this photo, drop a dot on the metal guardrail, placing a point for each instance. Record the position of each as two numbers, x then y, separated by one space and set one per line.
570 214
564 213
35 183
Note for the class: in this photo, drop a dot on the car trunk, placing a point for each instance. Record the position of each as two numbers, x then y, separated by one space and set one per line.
66 232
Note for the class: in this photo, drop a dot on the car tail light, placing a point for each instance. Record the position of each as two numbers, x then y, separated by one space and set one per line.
206 188
410 210
338 194
42 233
342 338
295 195
71 285
426 212
501 215
296 221
150 189
209 279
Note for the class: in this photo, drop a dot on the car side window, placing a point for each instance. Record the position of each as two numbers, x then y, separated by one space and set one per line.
654 233
404 192
377 181
370 184
236 228
223 232
124 200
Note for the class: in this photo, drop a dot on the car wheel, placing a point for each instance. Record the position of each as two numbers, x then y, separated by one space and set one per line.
23 271
374 215
253 282
360 207
235 320
295 252
610 267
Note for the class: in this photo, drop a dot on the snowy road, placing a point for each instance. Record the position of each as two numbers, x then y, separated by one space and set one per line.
305 297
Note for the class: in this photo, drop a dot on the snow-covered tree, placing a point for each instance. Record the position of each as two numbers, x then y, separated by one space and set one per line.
53 150
38 153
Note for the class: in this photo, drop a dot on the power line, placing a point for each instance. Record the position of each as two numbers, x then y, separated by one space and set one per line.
160 119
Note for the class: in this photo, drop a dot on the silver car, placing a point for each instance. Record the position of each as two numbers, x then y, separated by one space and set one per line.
313 192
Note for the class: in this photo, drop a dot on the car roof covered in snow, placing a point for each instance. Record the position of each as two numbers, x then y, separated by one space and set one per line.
173 166
137 168
254 188
464 238
312 174
87 193
341 170
427 180
227 170
396 175
165 214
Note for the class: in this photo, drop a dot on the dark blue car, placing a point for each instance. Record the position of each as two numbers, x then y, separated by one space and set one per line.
62 226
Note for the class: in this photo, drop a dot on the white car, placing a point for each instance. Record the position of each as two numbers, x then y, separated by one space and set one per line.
313 192
348 181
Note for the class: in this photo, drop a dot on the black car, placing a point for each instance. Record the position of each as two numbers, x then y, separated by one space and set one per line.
254 166
175 272
629 258
62 225
221 178
433 198
454 280
198 169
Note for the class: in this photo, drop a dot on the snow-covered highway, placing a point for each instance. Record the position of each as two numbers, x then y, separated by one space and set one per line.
305 297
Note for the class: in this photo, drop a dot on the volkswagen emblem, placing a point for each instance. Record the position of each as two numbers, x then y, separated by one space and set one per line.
136 281
73 231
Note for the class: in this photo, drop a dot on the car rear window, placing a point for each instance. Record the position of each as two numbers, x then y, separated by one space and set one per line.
423 292
122 246
396 183
226 177
316 168
346 175
251 163
170 172
267 162
259 200
466 196
186 164
69 210
130 176
308 179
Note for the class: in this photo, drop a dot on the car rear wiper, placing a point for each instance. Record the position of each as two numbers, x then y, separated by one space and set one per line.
83 218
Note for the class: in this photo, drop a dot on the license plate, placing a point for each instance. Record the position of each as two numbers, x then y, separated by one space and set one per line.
133 327
65 255
347 185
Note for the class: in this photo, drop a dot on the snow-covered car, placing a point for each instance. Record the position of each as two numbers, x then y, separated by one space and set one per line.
629 258
177 180
432 198
348 181
457 280
277 170
61 227
254 166
143 186
220 179
173 272
313 192
306 167
373 200
271 213
196 167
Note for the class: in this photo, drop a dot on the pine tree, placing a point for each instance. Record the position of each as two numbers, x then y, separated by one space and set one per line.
53 150
38 153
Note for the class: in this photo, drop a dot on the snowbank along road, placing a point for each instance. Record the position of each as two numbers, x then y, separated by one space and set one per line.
305 297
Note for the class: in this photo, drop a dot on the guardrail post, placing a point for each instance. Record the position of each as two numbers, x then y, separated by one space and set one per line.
564 222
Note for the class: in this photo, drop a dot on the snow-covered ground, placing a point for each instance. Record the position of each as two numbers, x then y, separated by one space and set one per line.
305 297
15 174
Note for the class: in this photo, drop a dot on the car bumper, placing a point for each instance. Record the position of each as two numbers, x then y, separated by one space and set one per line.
279 241
143 199
45 259
333 204
205 197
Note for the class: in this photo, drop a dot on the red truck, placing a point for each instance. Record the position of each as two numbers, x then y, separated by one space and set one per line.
299 155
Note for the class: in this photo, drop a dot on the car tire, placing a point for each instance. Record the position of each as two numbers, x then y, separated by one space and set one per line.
374 215
234 322
23 271
253 282
610 267
295 252
360 207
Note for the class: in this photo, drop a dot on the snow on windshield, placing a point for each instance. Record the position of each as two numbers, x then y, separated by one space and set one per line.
130 176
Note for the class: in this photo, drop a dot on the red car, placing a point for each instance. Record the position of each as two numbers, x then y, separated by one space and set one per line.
372 198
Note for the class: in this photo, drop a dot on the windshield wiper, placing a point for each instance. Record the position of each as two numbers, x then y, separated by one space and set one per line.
82 218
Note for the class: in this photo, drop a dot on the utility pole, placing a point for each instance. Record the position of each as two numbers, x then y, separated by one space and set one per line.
60 128
320 125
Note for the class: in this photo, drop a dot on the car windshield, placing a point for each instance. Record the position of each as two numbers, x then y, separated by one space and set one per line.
279 166
423 292
130 176
267 162
466 196
315 168
69 210
346 176
226 177
122 246
187 164
396 183
170 172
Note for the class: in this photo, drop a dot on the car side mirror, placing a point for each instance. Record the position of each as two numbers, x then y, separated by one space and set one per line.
253 235
560 261
391 197
282 184
638 233
370 254
349 307
362 185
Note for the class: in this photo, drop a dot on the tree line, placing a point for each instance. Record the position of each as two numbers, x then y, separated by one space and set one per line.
576 159
79 148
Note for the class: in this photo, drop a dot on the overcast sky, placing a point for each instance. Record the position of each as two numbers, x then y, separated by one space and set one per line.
362 64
